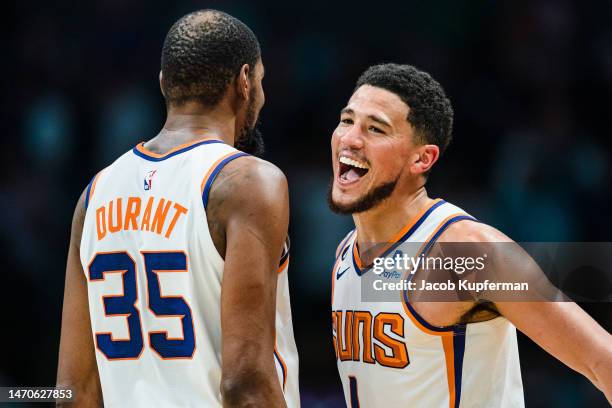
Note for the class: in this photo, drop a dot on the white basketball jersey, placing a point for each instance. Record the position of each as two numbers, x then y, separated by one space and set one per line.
389 356
154 281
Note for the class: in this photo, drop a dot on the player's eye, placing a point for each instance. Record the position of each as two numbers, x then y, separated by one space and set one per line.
376 130
346 121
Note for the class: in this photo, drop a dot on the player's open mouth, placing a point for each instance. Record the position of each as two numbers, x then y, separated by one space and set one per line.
351 170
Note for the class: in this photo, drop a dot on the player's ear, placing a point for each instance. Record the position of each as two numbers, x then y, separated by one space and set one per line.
242 82
424 158
161 83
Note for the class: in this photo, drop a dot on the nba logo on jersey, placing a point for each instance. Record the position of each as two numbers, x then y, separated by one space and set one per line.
148 180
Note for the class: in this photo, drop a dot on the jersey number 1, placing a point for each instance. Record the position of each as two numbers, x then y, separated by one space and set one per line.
354 392
125 305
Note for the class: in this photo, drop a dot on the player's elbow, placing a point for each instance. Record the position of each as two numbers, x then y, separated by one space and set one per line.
252 388
80 389
79 396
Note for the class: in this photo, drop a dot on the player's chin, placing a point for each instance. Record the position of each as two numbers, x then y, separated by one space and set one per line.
343 203
345 197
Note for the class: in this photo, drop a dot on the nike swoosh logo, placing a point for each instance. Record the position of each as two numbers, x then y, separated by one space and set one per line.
339 274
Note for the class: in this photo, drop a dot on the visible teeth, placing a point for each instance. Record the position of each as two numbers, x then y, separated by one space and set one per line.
354 163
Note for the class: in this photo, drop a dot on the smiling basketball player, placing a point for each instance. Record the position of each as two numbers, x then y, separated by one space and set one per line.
394 128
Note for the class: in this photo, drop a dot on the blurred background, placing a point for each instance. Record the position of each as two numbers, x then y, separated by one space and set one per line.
530 81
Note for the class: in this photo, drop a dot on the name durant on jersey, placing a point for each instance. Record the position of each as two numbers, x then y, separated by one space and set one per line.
110 216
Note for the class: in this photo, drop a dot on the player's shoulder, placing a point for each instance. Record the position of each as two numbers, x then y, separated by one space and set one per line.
81 205
250 174
78 217
470 230
249 184
257 170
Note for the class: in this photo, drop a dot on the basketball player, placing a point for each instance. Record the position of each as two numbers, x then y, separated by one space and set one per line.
174 295
430 354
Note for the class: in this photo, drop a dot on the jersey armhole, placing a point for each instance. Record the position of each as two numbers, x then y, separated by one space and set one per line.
284 259
91 188
210 176
342 244
206 186
417 319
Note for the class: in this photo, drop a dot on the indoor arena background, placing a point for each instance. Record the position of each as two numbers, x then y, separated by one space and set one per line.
530 81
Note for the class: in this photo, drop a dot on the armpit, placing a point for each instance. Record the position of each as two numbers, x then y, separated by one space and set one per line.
482 311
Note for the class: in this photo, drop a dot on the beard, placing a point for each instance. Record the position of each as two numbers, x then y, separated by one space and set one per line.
370 200
250 140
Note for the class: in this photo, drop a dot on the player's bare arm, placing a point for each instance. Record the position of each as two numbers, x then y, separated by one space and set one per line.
561 328
77 368
248 216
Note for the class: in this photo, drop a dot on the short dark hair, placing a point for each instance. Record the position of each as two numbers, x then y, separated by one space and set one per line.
202 52
430 112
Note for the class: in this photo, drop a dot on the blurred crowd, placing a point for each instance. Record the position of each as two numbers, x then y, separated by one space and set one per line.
530 81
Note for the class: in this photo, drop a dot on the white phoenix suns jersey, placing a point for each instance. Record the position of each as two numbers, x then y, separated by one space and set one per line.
389 356
154 281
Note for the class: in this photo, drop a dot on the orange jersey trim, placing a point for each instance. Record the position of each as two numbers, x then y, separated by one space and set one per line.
213 167
398 235
282 363
283 265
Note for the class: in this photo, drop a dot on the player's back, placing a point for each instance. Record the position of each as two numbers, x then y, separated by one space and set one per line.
154 279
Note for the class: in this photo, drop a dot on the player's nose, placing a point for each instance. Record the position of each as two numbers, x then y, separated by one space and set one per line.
352 138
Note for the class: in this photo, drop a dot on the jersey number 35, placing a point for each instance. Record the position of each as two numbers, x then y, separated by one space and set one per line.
125 305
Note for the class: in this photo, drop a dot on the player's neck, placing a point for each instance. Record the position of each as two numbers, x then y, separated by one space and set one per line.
191 121
381 224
